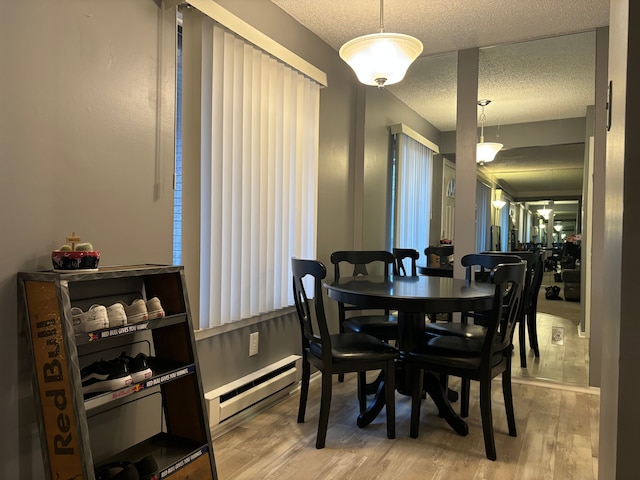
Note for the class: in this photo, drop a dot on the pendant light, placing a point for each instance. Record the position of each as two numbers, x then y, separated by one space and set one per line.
380 59
485 151
499 201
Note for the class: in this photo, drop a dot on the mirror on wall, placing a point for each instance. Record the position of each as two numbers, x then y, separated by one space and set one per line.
542 96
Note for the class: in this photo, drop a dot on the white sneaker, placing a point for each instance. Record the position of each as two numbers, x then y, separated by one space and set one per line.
155 308
95 318
117 315
137 311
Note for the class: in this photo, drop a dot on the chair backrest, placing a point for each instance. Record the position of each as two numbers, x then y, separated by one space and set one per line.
400 255
535 269
310 335
486 262
509 280
360 259
441 253
536 282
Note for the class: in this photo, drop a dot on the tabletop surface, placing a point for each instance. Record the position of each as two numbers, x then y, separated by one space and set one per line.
408 292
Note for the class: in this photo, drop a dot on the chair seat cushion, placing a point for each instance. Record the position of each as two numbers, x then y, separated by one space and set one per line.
352 346
471 331
452 351
380 326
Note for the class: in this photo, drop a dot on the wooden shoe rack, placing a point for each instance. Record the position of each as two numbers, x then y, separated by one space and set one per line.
163 416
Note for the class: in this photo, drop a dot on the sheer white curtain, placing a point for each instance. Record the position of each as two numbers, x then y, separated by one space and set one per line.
414 177
504 226
259 156
483 217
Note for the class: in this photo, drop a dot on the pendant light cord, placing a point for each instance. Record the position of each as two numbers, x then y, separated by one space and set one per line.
381 16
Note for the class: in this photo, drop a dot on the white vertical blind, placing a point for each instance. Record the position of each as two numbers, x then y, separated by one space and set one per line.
259 177
483 217
414 177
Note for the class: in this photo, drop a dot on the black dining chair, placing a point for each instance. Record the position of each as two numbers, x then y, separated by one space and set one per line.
528 311
338 353
356 319
478 268
402 256
479 359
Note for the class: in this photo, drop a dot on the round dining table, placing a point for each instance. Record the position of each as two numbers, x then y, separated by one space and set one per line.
413 297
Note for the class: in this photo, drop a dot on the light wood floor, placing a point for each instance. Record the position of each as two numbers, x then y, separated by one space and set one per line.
564 354
557 439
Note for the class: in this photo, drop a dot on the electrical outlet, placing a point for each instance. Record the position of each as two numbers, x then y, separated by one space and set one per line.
253 344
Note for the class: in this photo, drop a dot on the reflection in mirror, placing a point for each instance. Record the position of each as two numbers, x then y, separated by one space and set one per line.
542 95
430 88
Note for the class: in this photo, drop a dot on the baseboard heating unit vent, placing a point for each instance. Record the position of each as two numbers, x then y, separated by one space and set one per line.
229 399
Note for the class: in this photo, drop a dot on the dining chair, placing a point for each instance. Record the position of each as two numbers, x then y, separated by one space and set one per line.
338 353
438 256
356 319
478 268
400 255
479 359
528 311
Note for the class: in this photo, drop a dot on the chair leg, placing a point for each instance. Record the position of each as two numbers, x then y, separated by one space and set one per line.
465 389
416 377
341 329
508 401
532 325
362 391
523 342
390 398
304 390
325 404
487 418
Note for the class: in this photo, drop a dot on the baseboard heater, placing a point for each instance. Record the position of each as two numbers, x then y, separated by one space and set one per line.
232 398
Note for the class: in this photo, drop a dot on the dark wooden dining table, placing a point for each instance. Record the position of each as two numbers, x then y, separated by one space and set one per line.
413 297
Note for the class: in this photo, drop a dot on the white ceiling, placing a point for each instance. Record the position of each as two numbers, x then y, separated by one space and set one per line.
549 78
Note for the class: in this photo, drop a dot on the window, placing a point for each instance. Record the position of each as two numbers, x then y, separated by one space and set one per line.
259 121
177 172
412 179
483 217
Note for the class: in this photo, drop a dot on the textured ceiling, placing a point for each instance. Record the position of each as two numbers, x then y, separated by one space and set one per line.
530 67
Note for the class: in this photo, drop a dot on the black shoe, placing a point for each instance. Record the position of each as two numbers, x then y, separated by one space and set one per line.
147 468
138 367
105 376
118 471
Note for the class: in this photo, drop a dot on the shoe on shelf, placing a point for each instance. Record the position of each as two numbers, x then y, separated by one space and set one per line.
137 366
105 376
137 311
118 471
117 315
155 308
144 469
95 318
147 468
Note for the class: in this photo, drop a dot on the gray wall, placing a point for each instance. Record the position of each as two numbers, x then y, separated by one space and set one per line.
86 135
619 419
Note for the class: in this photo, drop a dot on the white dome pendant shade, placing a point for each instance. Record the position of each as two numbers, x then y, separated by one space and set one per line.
485 151
382 58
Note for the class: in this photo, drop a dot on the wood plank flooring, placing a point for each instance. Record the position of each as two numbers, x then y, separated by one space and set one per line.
564 358
557 439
